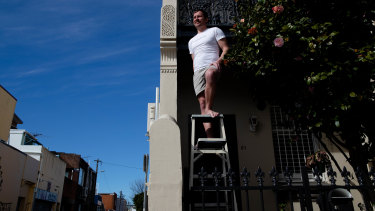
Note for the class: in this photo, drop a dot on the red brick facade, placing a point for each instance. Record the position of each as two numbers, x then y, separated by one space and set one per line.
109 201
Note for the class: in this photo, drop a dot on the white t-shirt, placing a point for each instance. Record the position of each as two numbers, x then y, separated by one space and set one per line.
205 48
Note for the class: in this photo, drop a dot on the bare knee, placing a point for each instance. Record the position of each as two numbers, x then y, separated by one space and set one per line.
211 75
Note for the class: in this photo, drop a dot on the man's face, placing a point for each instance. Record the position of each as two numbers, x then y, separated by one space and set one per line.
199 19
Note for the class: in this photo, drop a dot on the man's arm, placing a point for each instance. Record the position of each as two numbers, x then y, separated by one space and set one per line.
192 57
224 47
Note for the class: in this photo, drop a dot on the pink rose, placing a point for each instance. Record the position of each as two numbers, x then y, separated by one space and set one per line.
279 42
242 20
278 9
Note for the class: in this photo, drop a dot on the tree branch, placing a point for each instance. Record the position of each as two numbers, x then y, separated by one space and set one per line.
337 141
333 139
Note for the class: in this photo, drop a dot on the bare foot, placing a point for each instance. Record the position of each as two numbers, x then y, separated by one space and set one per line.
212 113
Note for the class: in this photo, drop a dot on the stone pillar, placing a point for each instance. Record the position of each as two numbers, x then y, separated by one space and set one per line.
165 184
168 58
165 181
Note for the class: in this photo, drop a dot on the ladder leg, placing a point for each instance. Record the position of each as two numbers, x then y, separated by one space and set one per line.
225 183
191 172
227 160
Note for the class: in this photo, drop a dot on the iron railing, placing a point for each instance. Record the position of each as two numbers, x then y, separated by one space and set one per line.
216 183
5 206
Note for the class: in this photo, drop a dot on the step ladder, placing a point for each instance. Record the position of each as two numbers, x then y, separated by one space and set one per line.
214 147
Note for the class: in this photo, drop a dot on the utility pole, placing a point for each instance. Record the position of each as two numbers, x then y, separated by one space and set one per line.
119 207
97 167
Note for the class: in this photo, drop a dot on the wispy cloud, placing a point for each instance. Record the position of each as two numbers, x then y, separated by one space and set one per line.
17 29
79 58
100 54
143 3
121 93
39 34
32 72
76 30
78 46
139 92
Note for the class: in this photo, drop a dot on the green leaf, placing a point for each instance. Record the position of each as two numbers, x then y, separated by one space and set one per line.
316 26
353 94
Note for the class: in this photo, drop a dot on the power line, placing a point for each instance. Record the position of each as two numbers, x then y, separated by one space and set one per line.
118 164
106 181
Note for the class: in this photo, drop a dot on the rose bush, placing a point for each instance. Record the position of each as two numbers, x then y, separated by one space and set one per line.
305 57
316 60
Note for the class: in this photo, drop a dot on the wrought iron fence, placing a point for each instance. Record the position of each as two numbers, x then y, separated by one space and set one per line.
5 206
330 195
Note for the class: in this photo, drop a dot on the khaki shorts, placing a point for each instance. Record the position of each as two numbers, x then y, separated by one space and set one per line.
199 79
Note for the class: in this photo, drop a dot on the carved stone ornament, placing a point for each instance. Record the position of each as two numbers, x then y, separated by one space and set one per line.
168 21
169 71
220 12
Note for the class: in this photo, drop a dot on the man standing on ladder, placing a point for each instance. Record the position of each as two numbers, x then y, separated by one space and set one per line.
204 50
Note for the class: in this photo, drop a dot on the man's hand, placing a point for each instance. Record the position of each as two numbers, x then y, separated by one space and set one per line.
217 64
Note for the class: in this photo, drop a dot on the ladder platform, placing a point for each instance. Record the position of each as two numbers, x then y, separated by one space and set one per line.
206 117
211 143
209 151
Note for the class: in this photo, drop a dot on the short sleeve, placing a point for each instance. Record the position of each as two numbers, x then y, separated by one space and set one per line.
190 47
219 34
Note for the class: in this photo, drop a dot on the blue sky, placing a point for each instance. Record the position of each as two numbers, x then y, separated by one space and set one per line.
83 72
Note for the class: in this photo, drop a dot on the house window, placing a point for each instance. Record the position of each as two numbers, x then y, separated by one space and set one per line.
29 140
81 177
290 147
67 173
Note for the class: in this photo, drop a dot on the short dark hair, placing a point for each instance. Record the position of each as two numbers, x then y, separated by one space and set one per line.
205 14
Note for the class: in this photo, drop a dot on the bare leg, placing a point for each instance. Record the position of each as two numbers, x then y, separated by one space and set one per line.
202 104
211 75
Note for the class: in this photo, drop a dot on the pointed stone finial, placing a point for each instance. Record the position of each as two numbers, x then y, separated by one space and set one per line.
346 175
359 175
274 175
230 177
332 174
259 175
217 176
245 177
288 175
202 175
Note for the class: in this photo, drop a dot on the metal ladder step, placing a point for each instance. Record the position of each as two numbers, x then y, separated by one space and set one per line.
211 143
205 117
